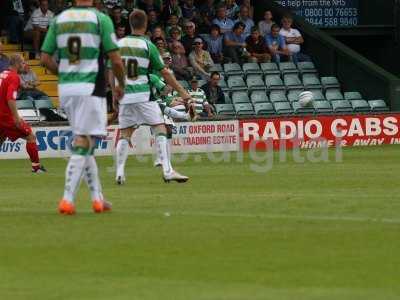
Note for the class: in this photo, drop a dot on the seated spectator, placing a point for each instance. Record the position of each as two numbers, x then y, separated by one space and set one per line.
213 91
153 20
161 45
158 32
172 8
257 47
265 25
166 56
202 107
173 24
38 25
293 40
246 20
180 63
190 36
232 9
235 44
120 31
29 83
14 18
118 20
222 20
200 59
4 61
207 13
175 37
189 11
128 7
249 6
215 44
277 45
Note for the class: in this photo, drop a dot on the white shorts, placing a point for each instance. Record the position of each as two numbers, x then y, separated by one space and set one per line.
87 115
136 114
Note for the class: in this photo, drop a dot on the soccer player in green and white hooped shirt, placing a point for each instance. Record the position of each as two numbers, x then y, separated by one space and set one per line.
82 37
142 58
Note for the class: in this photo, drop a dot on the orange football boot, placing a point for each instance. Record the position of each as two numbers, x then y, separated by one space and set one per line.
66 208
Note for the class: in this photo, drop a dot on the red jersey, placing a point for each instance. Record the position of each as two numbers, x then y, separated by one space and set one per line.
9 86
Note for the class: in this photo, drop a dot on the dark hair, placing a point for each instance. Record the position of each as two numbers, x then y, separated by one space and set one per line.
116 7
238 24
274 26
215 27
138 19
158 39
254 29
215 73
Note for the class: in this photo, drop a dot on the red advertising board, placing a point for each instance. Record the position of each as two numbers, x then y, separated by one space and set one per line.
320 131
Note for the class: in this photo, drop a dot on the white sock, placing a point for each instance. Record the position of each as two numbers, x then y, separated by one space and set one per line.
173 113
91 177
169 142
161 144
73 176
122 156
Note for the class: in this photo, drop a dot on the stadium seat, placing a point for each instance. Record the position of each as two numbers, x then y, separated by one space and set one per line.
293 95
232 69
330 82
360 105
202 82
341 106
283 108
333 94
252 68
292 82
311 81
225 109
274 82
244 109
264 109
306 67
255 82
259 97
236 83
223 85
378 105
43 103
25 104
216 68
278 96
352 96
322 107
298 109
318 95
270 69
227 98
240 97
288 68
184 83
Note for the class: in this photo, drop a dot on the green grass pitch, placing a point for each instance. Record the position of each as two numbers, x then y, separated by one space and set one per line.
322 230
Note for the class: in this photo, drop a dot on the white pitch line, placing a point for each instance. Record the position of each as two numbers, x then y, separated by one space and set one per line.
220 215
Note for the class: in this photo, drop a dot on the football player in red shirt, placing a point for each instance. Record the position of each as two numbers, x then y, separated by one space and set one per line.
12 126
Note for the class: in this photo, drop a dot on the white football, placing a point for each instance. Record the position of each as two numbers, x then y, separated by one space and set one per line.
306 98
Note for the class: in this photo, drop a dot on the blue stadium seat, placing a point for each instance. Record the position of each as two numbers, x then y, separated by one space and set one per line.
378 105
264 109
259 97
283 108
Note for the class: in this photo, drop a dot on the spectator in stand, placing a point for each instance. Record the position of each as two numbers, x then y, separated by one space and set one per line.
232 9
158 32
293 39
213 91
58 6
4 61
265 25
29 84
161 45
172 8
180 63
246 20
189 11
38 25
257 47
117 18
153 20
200 60
190 36
166 56
202 107
277 45
235 44
222 20
216 44
98 4
120 31
249 6
128 6
207 13
13 13
175 37
148 5
173 24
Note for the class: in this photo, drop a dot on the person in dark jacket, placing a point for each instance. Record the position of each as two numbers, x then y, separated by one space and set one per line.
213 91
